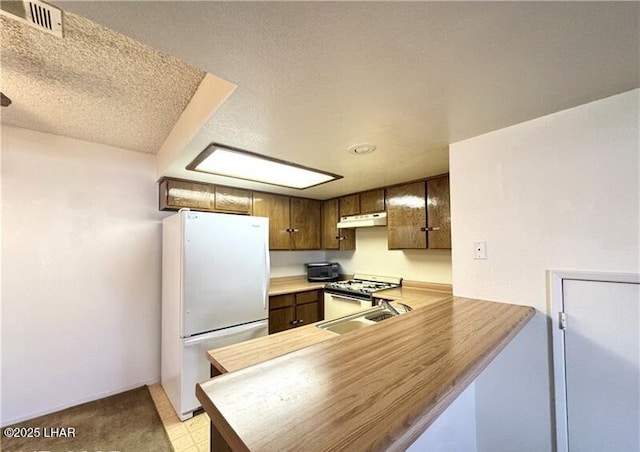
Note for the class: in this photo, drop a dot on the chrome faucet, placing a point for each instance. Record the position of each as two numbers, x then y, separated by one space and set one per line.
388 307
391 309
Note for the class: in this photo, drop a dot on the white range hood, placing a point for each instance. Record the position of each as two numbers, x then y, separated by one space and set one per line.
363 221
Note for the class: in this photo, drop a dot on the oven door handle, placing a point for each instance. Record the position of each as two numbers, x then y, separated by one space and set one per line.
348 298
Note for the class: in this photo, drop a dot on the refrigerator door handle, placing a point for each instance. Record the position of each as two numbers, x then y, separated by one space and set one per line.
187 342
267 269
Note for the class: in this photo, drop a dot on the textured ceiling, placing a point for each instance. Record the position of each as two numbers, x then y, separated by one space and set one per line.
411 77
94 84
316 77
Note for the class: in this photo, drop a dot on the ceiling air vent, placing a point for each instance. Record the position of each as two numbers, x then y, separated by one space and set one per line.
37 14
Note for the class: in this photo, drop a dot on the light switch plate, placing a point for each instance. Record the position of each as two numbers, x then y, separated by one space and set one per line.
480 250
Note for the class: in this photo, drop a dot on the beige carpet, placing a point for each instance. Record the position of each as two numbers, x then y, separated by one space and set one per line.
126 422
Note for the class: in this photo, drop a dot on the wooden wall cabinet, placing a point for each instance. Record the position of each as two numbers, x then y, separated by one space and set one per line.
294 223
350 205
418 215
332 237
438 213
294 309
306 217
371 201
230 199
277 209
407 216
177 194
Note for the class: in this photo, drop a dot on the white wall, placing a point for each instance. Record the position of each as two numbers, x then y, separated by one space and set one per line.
372 256
557 192
81 281
454 430
1 273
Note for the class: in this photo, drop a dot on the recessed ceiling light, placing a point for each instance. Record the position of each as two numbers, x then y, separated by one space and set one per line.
240 164
362 148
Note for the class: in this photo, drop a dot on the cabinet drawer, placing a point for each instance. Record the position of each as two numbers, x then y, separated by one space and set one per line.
307 297
281 301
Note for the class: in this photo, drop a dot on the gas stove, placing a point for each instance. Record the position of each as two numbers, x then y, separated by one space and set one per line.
363 285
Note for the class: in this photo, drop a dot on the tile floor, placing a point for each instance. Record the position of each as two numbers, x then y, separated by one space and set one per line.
188 436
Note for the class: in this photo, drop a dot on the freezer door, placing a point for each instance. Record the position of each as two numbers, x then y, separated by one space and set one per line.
225 271
196 366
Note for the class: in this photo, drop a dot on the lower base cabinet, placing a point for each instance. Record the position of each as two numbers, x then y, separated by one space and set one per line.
294 309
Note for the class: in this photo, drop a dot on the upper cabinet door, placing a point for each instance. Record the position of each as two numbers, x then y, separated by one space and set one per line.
176 194
231 199
407 216
439 213
276 208
332 237
350 205
305 224
372 201
330 225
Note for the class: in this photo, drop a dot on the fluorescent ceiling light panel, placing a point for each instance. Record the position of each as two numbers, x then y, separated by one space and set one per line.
240 164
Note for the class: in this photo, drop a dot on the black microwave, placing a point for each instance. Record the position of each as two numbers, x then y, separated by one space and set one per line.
323 271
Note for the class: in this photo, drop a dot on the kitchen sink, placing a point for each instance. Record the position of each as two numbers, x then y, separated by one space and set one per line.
379 317
357 321
346 326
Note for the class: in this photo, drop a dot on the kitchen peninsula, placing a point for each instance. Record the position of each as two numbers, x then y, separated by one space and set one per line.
377 388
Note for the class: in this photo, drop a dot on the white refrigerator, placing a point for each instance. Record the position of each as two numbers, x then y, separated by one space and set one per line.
215 280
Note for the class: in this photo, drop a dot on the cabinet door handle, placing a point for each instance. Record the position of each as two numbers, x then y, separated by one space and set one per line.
430 228
293 322
295 230
341 237
301 321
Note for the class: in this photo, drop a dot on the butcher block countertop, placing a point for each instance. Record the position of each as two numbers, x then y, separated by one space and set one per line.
292 284
245 354
414 297
376 388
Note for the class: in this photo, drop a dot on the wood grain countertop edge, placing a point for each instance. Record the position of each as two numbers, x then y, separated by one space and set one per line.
272 346
417 423
221 424
220 358
423 423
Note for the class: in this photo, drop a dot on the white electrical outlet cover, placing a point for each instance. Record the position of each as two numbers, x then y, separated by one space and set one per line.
480 250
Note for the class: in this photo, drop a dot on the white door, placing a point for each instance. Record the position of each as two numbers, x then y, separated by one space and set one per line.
195 365
601 366
225 271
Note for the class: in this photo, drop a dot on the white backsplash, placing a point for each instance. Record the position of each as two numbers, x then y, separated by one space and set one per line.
290 263
372 256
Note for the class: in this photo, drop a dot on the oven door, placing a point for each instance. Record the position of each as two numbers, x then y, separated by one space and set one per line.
339 305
